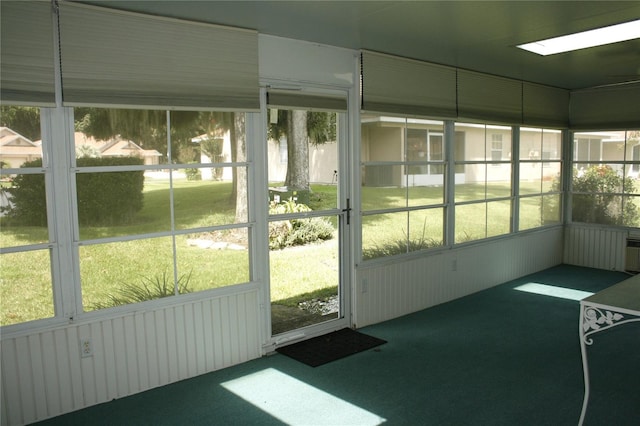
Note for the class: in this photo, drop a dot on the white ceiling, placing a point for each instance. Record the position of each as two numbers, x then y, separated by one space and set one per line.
475 35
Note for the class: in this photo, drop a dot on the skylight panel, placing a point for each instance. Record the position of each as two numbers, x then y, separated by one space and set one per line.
597 37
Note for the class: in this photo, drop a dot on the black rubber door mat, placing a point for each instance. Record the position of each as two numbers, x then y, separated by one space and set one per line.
330 347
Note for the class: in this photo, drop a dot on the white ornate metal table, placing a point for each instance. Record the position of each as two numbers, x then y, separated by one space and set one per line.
613 306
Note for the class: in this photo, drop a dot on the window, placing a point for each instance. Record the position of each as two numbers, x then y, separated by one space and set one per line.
425 148
282 149
26 240
587 148
483 192
402 185
496 147
165 222
159 209
605 187
539 187
635 157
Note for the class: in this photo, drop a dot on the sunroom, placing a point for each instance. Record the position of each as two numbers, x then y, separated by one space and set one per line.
420 179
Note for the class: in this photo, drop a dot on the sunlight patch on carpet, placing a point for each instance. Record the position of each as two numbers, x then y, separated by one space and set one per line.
297 403
553 291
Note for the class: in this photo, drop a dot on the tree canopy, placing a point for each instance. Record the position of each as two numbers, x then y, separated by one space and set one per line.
24 120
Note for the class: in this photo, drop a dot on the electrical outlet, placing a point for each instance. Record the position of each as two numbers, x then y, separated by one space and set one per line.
86 348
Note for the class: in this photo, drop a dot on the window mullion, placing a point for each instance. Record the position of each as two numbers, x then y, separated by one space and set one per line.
58 126
515 178
449 182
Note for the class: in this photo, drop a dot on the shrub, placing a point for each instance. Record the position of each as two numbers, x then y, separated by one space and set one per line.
149 288
103 198
109 198
287 233
28 198
599 196
193 174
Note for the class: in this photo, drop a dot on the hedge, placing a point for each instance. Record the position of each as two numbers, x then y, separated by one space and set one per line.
104 198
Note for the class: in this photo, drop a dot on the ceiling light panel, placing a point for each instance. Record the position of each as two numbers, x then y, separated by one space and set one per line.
598 37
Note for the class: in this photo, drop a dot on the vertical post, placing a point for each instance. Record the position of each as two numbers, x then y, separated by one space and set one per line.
585 366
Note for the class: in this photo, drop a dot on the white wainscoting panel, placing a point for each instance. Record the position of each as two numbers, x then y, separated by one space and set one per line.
44 375
595 247
391 290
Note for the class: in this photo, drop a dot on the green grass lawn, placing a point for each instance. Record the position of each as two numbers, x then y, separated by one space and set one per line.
25 284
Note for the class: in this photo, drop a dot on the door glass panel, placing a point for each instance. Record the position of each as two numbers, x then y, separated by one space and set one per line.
304 237
304 283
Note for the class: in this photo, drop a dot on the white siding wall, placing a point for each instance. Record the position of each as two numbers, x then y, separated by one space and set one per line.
595 247
392 290
43 374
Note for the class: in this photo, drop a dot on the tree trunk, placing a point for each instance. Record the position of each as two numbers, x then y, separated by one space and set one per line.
298 152
229 123
240 181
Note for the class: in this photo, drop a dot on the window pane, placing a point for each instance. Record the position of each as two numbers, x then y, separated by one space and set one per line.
632 179
599 146
530 178
471 222
551 209
551 176
470 142
20 134
530 144
25 287
551 145
632 211
540 144
599 178
530 216
498 218
378 195
459 152
204 137
473 186
417 146
495 147
303 150
426 229
213 259
112 204
126 272
383 176
424 195
201 203
498 180
609 210
23 215
539 211
384 235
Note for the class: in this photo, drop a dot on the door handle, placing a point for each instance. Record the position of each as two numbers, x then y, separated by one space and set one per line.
348 211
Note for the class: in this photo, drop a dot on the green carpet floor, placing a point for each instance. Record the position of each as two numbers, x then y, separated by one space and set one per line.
497 357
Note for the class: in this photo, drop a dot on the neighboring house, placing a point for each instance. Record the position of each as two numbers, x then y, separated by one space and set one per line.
114 148
607 146
16 149
322 161
222 141
384 139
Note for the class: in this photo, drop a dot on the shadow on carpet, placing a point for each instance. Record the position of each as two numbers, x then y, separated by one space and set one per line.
330 347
